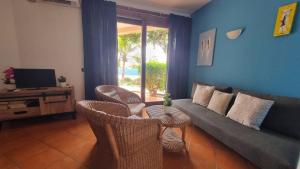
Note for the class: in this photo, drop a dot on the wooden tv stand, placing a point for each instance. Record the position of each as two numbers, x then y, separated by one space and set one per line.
26 103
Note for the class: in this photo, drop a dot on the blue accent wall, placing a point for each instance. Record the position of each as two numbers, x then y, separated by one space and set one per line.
255 61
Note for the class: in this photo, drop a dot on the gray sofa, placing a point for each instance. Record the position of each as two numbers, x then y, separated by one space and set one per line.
276 146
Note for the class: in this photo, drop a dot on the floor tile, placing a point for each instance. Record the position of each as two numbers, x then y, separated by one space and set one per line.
66 163
66 142
83 154
174 160
10 135
15 143
200 156
21 154
42 160
71 144
227 159
5 163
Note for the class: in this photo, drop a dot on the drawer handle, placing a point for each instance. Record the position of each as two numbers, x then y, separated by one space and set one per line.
20 112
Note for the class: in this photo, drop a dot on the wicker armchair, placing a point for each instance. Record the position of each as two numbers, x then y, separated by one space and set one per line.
117 94
123 143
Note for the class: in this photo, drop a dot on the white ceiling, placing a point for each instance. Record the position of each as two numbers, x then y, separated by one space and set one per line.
181 7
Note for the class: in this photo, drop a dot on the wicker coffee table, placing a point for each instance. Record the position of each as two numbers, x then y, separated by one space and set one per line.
170 118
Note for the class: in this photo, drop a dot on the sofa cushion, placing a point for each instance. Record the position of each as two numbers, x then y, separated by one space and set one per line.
135 117
136 108
263 148
110 93
219 88
249 111
113 94
203 94
219 102
284 115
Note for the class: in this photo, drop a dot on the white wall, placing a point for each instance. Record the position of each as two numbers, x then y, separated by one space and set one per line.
9 54
50 36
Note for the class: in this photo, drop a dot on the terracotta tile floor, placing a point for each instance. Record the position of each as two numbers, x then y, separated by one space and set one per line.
69 144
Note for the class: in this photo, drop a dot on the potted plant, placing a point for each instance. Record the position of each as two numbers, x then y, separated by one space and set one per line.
62 81
9 80
167 99
156 77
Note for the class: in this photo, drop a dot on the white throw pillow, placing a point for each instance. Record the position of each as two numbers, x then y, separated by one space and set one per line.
249 111
203 94
219 102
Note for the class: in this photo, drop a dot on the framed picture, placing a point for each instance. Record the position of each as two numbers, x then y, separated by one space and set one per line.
285 18
206 48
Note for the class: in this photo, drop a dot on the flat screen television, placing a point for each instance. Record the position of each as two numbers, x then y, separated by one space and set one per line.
34 78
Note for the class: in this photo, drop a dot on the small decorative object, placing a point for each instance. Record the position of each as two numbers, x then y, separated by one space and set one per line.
285 19
9 81
62 81
234 34
206 47
167 99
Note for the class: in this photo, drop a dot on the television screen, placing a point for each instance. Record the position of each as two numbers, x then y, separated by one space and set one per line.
34 78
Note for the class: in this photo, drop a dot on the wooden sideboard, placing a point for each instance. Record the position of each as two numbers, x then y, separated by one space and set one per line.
26 103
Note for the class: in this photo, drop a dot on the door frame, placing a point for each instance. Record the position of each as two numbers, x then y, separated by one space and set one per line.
143 50
143 23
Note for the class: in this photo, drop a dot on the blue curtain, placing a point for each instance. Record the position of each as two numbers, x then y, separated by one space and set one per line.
178 55
99 22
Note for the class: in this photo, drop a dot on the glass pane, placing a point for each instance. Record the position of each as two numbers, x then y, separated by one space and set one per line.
156 63
129 56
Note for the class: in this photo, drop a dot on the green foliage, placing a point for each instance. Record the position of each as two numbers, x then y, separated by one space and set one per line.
155 76
130 82
158 38
167 100
62 79
126 44
155 71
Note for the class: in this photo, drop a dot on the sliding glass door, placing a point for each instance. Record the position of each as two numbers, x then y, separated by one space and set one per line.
156 63
129 56
142 59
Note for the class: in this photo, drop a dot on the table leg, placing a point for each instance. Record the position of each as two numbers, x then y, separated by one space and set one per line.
183 133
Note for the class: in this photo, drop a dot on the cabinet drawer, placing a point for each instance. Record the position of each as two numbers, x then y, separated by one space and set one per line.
56 104
19 113
55 99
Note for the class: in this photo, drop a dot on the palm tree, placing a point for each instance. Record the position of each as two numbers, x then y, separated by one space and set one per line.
158 38
156 72
126 44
